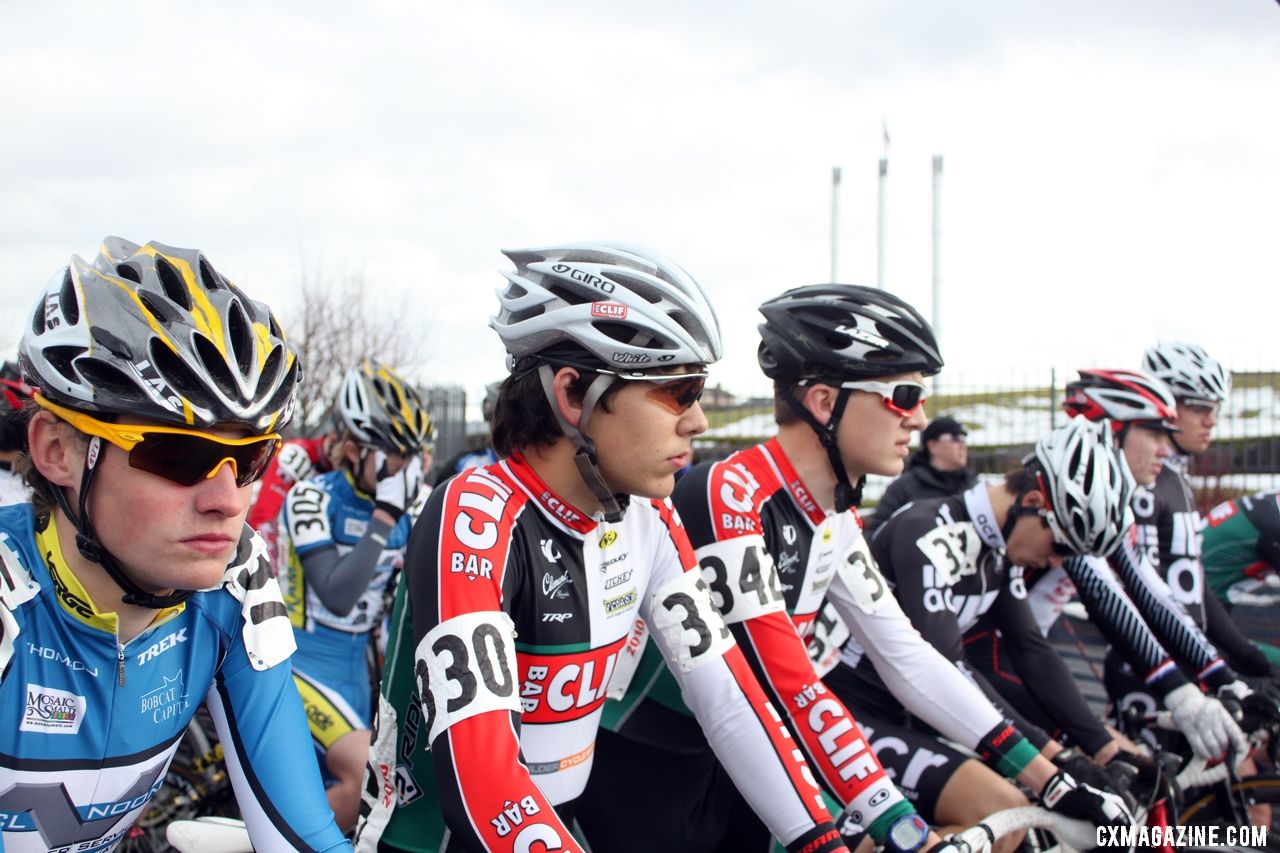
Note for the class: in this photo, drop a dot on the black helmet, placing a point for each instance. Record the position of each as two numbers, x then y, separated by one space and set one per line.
844 331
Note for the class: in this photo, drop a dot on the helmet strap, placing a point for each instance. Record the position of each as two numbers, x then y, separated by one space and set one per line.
847 494
1018 509
586 459
91 549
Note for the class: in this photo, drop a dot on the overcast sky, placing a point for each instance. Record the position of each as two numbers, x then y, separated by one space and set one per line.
1112 169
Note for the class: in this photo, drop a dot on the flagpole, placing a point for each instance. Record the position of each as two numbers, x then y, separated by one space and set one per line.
937 246
835 223
880 207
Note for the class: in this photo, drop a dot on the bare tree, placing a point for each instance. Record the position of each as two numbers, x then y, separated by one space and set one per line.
340 324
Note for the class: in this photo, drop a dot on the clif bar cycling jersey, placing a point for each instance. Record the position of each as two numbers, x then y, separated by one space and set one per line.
520 605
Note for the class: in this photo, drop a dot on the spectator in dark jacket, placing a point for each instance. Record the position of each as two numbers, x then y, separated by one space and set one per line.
940 468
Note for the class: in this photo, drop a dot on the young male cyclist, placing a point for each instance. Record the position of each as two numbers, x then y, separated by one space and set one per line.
131 589
1139 413
953 562
298 460
1168 521
524 577
776 537
344 535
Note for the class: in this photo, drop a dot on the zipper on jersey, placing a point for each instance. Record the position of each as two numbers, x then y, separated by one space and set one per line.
120 662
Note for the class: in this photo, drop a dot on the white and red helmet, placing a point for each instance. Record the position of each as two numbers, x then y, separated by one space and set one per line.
1122 397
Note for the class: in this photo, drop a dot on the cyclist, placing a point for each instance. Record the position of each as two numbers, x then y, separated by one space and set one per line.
939 469
14 395
774 541
1241 542
523 578
131 587
298 460
344 535
1168 530
955 562
1139 413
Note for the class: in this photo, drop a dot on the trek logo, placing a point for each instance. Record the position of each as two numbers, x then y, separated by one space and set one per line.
585 277
555 688
58 657
555 587
53 711
156 649
609 310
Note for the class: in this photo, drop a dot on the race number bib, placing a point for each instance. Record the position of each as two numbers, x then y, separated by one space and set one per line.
952 549
307 515
683 614
742 578
861 576
467 666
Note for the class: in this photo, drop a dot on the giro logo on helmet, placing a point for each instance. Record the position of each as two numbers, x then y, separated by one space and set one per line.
585 277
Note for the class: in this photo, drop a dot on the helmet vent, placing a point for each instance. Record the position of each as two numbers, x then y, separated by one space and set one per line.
127 271
619 332
107 379
638 286
210 277
171 281
160 310
215 363
572 297
241 335
61 359
178 374
67 300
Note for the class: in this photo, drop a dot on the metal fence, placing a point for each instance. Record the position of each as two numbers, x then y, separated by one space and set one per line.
1004 416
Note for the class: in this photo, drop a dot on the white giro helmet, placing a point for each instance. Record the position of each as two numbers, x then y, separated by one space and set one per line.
1088 484
629 307
1189 372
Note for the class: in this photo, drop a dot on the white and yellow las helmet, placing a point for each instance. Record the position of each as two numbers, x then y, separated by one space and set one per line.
379 408
156 332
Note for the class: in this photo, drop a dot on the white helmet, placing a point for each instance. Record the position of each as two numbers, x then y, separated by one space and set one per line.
1088 485
378 407
627 306
1189 372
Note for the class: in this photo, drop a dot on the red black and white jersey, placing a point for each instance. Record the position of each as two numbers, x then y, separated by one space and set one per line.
521 604
771 557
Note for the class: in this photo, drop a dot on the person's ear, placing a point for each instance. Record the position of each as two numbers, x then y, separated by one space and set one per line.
1034 499
57 449
568 404
820 400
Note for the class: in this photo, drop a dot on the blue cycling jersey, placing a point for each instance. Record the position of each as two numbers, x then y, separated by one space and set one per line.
88 725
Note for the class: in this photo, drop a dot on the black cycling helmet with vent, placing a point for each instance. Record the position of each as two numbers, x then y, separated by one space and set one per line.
843 331
836 332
